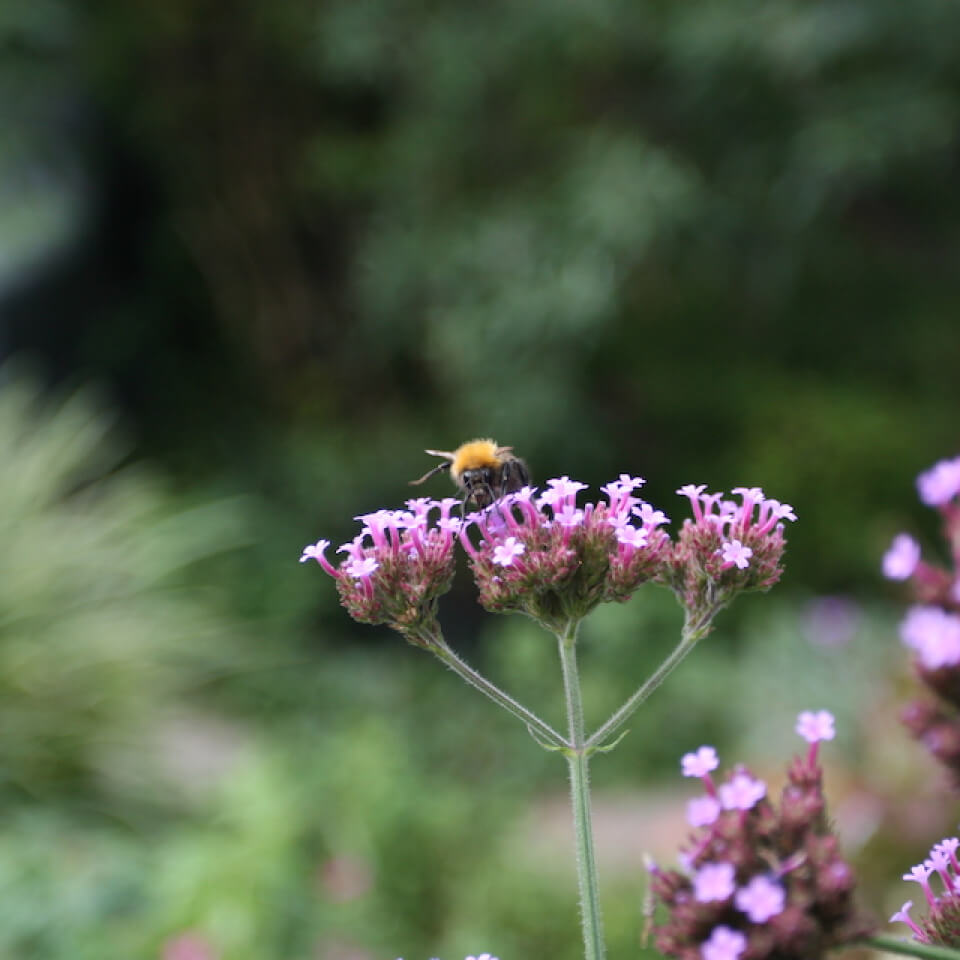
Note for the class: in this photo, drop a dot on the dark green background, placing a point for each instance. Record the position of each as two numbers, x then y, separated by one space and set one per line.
288 246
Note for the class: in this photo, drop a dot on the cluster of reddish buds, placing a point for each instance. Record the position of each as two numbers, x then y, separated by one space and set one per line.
941 926
397 567
726 548
547 557
758 882
931 627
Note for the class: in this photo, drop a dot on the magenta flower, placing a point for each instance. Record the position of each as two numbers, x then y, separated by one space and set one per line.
921 874
699 764
761 899
505 553
723 944
713 881
360 569
742 792
814 727
903 916
940 484
702 811
736 554
902 558
934 634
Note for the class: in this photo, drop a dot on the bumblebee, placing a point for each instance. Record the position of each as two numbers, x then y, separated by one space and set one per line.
482 470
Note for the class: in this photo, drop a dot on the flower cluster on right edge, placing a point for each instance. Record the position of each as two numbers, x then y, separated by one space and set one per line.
759 881
931 628
941 925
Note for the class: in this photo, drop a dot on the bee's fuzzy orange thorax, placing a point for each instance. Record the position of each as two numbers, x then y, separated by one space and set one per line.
475 455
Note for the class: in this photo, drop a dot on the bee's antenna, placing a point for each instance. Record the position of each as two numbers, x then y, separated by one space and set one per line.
430 473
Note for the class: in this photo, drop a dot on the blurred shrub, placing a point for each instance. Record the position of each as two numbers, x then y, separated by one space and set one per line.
99 630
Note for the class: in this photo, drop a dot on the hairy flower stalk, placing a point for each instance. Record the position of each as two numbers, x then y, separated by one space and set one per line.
554 560
931 628
759 880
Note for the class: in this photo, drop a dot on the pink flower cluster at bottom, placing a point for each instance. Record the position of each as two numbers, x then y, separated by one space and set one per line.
758 881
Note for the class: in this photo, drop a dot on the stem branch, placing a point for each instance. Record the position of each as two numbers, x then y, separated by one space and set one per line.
908 948
438 647
691 633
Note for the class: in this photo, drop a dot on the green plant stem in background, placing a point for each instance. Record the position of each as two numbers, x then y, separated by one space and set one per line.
541 731
578 758
691 634
908 948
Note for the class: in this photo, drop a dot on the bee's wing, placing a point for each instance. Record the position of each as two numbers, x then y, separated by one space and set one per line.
440 453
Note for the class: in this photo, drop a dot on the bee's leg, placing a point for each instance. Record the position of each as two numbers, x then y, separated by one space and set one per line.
515 475
494 500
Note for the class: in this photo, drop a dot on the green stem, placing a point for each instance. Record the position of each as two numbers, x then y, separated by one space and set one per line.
578 761
908 948
691 633
540 730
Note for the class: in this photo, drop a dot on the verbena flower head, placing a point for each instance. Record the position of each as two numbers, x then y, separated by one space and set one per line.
554 560
931 627
760 880
727 547
394 571
548 556
938 878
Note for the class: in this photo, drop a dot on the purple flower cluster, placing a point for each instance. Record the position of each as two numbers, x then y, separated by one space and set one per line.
931 627
941 925
758 881
727 547
547 557
397 567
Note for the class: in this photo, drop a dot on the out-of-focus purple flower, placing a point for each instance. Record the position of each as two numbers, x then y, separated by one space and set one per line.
761 899
940 484
702 811
902 558
934 634
189 946
713 881
760 879
700 763
931 627
815 726
723 944
831 621
742 792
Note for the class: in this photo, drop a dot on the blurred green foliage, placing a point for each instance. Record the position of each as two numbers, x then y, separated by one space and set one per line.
297 243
